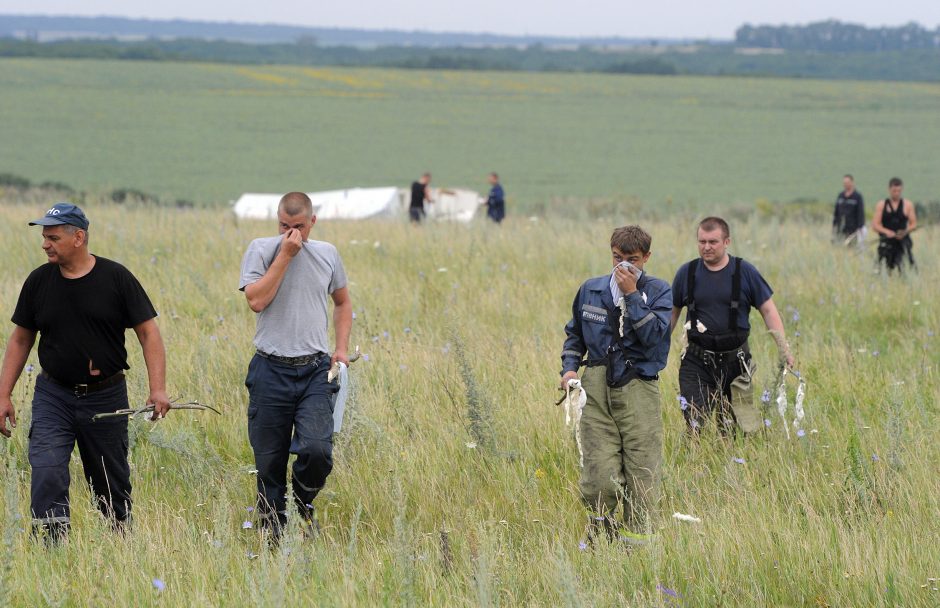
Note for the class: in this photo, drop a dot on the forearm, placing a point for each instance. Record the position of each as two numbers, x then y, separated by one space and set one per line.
155 359
261 293
14 359
342 325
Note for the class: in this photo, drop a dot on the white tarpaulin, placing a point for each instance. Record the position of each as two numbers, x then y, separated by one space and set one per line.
454 205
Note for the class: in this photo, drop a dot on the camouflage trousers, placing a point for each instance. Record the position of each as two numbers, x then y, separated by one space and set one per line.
622 441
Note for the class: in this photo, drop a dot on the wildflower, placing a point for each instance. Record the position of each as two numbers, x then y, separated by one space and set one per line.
354 316
582 546
739 460
765 397
767 422
158 584
471 445
249 509
376 245
667 591
365 357
683 403
797 334
695 424
407 330
874 458
796 316
442 269
375 339
599 518
801 433
539 474
386 335
246 525
251 555
875 353
30 368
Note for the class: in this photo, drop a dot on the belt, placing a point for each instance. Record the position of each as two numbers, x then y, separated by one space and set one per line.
603 363
714 356
300 361
82 390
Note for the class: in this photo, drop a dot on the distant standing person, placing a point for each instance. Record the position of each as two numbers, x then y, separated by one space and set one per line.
80 304
895 220
848 217
420 192
719 291
496 201
287 280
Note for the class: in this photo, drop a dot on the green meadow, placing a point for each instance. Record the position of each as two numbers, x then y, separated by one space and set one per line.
207 133
455 480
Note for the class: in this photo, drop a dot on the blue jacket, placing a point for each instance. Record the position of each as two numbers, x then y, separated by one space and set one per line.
595 326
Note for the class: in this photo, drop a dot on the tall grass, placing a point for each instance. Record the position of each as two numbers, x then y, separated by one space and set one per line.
845 516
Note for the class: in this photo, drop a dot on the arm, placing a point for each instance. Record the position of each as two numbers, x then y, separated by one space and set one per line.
876 224
262 292
650 321
911 217
573 351
774 324
342 323
676 312
155 357
21 342
860 220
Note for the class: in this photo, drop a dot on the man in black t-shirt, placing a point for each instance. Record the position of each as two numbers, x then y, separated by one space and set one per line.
716 369
420 192
848 217
79 305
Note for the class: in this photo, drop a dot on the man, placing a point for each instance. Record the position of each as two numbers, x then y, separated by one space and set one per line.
716 370
286 280
496 201
80 305
420 192
620 322
848 217
895 219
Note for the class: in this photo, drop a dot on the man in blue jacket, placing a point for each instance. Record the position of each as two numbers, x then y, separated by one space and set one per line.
620 332
496 201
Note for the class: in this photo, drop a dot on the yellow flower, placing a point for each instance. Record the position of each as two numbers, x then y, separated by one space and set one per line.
539 474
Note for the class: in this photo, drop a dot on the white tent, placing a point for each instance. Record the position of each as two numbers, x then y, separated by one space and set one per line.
365 203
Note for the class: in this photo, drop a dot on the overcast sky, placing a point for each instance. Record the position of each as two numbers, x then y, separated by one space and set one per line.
652 18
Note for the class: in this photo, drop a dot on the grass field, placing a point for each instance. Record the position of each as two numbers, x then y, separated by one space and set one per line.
210 132
467 321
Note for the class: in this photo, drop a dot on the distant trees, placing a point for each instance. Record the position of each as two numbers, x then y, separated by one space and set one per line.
836 36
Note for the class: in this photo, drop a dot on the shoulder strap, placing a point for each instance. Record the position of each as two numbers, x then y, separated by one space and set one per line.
690 291
735 294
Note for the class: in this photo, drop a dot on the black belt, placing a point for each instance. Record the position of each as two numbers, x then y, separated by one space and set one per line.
716 356
300 361
82 390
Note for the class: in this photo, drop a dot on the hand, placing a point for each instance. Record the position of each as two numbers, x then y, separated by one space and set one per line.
340 356
291 243
161 404
900 234
7 412
568 376
626 280
790 361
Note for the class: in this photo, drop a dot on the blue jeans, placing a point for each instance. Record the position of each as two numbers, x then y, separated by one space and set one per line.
60 420
290 411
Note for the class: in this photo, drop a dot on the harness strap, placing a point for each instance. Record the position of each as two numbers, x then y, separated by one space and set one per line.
735 293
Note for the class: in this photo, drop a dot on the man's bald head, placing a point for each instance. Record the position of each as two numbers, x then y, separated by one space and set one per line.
296 203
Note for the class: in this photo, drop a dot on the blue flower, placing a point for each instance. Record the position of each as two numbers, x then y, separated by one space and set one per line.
767 422
247 525
249 509
386 335
683 404
582 546
354 316
875 353
158 584
365 357
796 316
874 458
407 330
765 397
30 368
801 433
739 460
797 334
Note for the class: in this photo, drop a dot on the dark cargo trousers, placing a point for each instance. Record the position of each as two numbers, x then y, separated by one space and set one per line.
622 439
718 385
290 411
61 419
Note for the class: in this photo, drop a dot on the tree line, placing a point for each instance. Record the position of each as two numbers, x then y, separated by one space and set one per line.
838 37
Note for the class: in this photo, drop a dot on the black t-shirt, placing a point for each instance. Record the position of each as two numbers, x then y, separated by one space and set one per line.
417 195
713 294
849 214
81 321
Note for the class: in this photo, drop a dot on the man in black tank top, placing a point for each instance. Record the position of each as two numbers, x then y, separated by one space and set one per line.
419 193
895 219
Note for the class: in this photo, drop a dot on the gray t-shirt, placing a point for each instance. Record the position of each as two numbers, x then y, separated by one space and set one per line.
295 323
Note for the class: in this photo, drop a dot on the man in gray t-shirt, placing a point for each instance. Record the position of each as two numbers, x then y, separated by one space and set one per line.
286 280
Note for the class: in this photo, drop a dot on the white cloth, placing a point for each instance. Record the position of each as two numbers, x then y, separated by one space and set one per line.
339 406
615 292
575 398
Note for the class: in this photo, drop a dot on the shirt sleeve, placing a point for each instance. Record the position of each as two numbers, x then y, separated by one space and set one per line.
24 314
338 281
573 351
137 305
678 286
758 290
253 266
